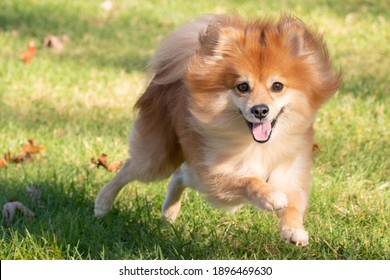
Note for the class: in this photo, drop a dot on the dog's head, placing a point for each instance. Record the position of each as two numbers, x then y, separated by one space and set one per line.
265 75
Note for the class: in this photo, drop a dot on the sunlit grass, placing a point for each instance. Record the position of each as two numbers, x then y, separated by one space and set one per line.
78 104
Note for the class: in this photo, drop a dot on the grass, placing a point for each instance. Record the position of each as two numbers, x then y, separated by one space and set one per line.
79 104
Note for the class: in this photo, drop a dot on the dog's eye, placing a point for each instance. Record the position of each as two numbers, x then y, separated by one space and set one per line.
277 87
243 88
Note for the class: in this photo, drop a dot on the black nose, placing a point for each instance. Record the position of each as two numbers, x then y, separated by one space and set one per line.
260 111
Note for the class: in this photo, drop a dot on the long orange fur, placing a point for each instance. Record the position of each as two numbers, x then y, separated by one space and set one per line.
192 120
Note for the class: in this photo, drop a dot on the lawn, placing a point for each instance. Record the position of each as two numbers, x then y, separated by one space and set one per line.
78 103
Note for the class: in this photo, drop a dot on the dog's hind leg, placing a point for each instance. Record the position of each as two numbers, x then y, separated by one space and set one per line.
172 203
107 195
154 145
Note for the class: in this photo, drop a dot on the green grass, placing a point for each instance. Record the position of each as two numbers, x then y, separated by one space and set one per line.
79 104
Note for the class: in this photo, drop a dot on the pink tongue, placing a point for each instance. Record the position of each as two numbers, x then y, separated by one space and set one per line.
261 131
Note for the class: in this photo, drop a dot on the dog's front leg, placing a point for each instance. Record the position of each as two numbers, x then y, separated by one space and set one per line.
294 181
233 191
264 196
291 219
290 206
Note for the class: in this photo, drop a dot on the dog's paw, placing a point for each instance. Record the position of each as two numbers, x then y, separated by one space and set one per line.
169 215
273 200
101 208
299 237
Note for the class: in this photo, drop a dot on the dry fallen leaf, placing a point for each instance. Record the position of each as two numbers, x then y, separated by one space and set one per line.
22 157
28 149
30 53
3 162
31 148
114 166
55 43
9 210
102 161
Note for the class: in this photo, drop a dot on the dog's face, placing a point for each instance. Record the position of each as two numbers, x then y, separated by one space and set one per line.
268 77
261 104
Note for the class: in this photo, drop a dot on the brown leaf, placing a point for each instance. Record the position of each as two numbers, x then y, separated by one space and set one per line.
55 43
102 161
28 149
22 157
30 53
10 208
18 158
3 162
114 166
31 148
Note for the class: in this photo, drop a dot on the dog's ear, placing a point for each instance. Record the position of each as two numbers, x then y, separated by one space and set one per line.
301 41
218 38
209 39
296 36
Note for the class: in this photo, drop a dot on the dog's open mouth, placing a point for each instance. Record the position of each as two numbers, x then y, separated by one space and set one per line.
261 132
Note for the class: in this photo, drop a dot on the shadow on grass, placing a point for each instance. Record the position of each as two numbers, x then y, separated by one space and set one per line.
65 223
65 228
46 122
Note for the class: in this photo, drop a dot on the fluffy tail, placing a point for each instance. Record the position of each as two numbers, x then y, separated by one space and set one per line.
171 61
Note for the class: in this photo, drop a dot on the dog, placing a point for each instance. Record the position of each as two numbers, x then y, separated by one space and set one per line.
229 111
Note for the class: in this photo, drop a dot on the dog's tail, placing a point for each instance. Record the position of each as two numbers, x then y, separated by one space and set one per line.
171 61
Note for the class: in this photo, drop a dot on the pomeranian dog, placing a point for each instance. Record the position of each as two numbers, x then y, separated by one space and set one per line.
229 112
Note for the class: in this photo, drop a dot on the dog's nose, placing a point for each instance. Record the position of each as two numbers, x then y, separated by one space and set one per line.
260 111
